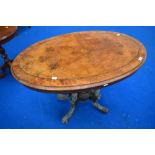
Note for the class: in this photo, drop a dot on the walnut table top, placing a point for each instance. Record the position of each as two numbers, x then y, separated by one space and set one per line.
78 61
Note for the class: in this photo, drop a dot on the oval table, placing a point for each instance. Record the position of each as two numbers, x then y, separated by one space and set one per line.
6 33
78 64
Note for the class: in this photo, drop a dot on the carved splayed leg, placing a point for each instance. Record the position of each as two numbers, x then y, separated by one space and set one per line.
73 98
6 64
94 96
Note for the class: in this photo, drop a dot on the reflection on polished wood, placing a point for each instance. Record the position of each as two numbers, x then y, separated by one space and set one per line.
6 32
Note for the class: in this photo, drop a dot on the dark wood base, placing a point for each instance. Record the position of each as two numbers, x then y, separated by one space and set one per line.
6 64
92 95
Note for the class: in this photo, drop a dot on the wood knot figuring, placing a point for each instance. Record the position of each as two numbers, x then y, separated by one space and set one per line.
49 49
42 58
54 66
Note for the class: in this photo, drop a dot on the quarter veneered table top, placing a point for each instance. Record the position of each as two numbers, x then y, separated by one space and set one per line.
6 32
80 60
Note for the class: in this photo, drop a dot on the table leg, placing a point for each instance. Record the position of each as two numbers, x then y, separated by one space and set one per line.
6 64
94 96
62 97
74 98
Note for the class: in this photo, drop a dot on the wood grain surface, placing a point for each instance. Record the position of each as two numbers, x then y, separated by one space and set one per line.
6 32
77 61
